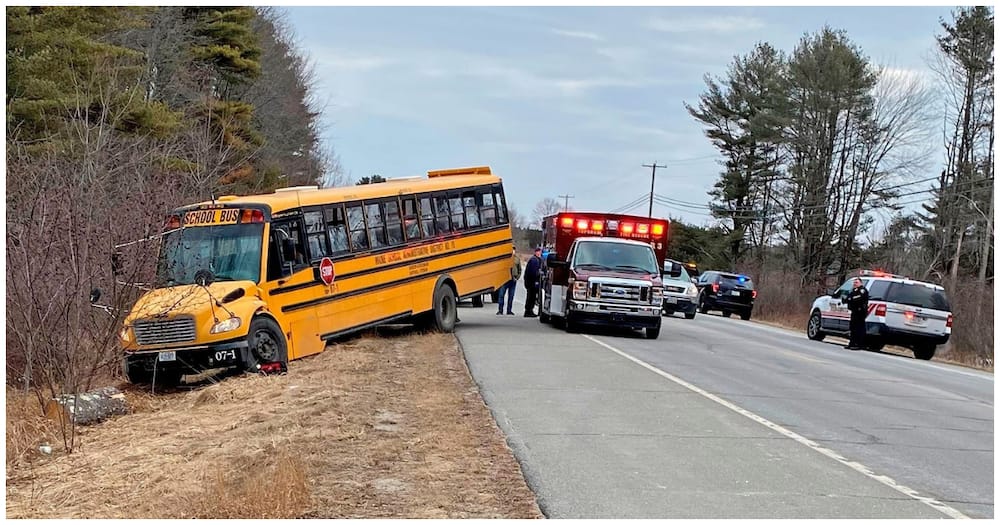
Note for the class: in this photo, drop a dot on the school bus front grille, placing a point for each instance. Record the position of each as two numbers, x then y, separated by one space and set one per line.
153 332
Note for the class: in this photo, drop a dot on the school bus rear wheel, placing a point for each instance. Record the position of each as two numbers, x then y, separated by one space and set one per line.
445 311
268 351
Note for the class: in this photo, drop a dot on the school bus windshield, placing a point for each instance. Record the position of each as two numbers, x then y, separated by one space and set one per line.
230 252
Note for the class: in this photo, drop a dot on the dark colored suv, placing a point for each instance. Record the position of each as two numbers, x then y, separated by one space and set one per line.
728 292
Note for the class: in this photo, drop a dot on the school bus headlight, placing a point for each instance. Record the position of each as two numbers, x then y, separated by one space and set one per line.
226 326
125 335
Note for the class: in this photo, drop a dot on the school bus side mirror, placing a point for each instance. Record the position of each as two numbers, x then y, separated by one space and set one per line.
95 295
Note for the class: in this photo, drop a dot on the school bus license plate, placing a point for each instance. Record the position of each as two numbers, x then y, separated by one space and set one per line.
167 356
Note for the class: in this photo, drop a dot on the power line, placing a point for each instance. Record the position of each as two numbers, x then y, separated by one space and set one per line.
703 157
667 200
630 205
628 210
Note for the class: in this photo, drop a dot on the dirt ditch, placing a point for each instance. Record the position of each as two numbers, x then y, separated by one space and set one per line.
378 427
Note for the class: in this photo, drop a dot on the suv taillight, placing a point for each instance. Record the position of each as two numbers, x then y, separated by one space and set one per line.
880 310
715 287
948 324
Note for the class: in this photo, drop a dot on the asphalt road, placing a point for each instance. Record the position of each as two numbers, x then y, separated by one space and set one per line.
722 418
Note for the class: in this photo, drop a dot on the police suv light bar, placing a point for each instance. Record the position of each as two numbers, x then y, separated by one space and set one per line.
880 273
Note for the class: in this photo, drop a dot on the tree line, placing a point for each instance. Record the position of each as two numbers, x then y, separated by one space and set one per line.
114 116
815 141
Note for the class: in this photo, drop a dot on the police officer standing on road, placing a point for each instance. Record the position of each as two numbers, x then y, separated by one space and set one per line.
531 274
857 303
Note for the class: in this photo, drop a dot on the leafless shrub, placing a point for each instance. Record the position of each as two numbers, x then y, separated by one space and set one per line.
972 334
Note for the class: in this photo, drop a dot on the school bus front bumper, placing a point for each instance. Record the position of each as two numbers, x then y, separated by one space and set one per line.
190 360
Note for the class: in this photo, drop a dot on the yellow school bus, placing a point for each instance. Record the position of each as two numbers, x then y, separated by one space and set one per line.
256 281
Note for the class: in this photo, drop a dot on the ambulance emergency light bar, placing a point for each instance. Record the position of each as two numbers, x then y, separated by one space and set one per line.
630 228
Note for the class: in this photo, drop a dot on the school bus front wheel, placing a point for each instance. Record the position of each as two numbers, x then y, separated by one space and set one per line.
267 350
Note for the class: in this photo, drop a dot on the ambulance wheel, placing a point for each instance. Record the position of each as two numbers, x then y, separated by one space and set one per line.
544 317
571 326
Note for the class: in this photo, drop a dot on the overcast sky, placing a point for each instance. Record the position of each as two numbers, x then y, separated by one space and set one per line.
559 100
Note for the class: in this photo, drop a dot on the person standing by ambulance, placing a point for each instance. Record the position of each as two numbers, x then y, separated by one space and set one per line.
531 275
857 303
510 286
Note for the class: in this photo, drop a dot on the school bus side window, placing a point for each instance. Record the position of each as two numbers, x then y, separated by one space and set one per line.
285 250
441 223
356 223
376 225
336 224
316 235
501 205
411 220
471 209
457 216
427 216
487 209
393 223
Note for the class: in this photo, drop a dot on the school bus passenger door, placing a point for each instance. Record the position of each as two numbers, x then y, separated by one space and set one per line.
290 285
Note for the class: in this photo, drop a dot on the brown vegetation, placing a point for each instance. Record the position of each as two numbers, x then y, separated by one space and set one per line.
390 427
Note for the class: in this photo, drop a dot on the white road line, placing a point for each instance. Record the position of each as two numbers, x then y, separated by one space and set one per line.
885 480
801 337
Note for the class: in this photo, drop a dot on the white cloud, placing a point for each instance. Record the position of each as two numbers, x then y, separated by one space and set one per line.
576 86
707 24
622 54
907 75
348 61
585 35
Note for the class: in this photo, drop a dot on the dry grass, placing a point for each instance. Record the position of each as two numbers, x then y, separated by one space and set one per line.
378 427
779 303
27 428
275 487
972 337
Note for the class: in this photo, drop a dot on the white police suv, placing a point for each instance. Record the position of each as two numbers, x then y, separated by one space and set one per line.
901 312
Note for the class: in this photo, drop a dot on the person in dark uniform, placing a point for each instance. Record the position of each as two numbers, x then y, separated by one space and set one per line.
531 275
857 303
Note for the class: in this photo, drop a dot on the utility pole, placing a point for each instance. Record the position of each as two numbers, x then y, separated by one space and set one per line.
652 185
566 199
